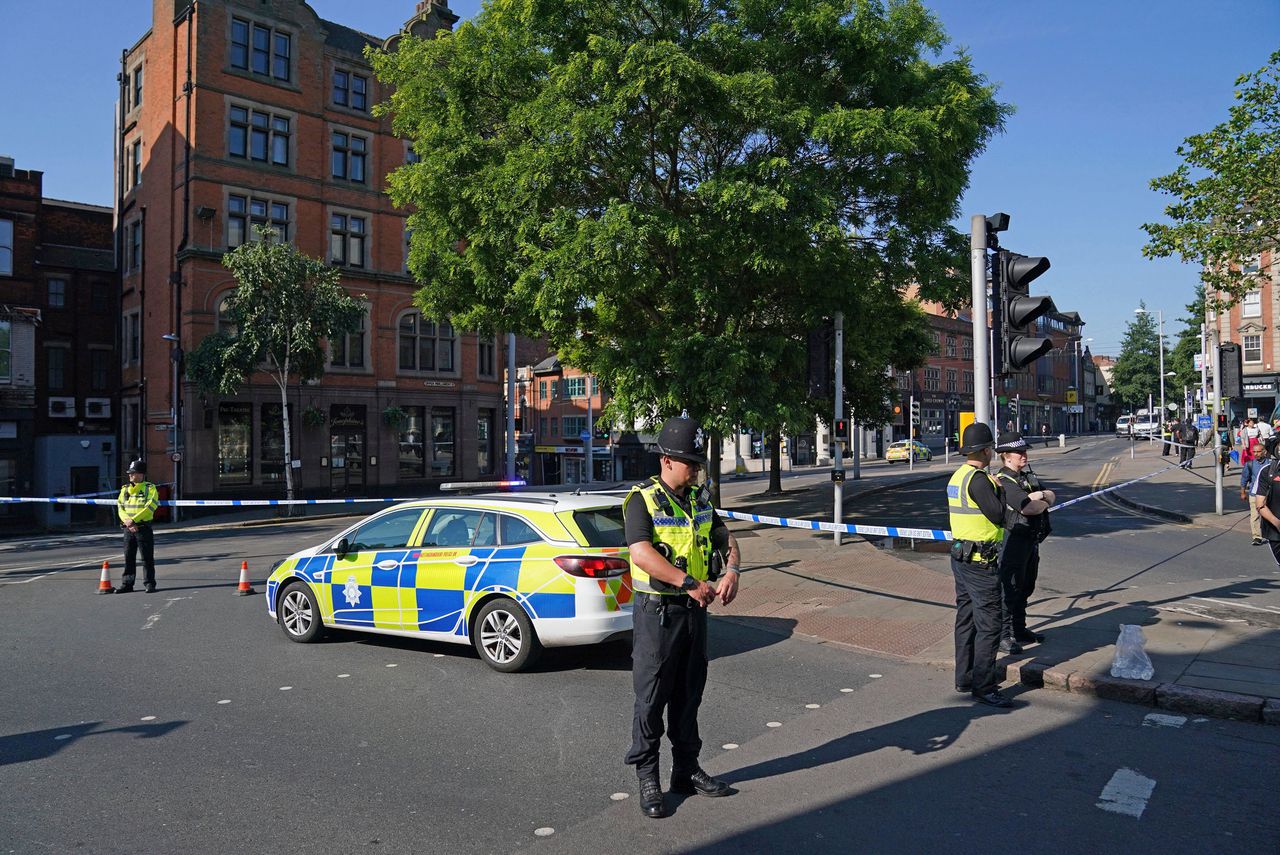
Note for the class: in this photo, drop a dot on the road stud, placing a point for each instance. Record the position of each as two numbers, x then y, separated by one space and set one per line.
104 581
245 589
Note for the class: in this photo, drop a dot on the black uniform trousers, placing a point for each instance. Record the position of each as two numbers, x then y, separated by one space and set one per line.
977 625
1019 569
669 671
144 540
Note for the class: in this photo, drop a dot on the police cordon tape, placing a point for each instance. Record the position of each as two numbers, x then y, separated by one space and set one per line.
809 525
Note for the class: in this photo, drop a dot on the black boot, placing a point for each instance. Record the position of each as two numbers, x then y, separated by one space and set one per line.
698 781
651 797
1008 645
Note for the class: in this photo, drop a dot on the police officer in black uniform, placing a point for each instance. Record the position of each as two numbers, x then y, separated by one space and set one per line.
678 545
1026 526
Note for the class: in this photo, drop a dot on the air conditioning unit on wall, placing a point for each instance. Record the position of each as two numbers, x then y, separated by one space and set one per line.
97 408
62 408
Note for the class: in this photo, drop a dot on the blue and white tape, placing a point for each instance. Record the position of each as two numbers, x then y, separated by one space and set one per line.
844 528
204 503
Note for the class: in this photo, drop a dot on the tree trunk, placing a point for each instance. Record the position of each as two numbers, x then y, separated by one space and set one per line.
713 468
288 441
775 461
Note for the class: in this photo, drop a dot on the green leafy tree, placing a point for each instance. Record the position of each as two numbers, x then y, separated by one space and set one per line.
1226 208
1181 359
285 304
673 193
1137 369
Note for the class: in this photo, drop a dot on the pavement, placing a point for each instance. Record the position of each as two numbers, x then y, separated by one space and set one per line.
863 595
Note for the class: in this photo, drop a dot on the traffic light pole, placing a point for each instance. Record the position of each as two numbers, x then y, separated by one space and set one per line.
981 347
1217 408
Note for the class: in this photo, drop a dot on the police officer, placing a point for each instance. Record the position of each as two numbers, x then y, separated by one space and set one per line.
135 506
677 544
976 508
1026 526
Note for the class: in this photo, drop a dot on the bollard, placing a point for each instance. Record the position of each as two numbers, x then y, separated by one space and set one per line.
1062 440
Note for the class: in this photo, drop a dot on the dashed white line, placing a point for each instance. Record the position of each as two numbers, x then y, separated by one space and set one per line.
391 664
875 676
773 724
147 718
729 746
225 701
544 832
1126 793
343 676
617 797
62 736
812 706
285 688
846 691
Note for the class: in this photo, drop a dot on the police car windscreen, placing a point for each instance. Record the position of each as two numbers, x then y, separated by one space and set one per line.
602 526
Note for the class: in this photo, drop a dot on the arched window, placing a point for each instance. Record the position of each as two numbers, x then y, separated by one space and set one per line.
225 323
425 345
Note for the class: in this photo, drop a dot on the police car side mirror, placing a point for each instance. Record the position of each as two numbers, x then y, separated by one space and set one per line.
341 548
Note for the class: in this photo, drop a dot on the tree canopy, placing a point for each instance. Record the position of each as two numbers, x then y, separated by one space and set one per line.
674 192
284 306
1226 208
1137 369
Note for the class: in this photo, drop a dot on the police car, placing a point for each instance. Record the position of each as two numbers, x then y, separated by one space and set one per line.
507 573
904 449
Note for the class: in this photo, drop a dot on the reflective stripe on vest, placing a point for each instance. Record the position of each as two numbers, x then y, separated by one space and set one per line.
688 537
967 520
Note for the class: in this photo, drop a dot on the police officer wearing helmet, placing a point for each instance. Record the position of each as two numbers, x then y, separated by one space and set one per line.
976 507
677 544
135 506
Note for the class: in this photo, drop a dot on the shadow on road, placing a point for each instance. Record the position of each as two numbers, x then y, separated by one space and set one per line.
40 744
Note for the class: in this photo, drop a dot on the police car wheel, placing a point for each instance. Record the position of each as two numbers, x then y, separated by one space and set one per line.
299 613
504 636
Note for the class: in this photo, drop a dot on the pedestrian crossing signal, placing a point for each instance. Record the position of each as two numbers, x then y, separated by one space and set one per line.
842 429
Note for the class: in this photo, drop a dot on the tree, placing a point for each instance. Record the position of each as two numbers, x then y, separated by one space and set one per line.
1181 359
1227 192
1134 377
674 193
285 304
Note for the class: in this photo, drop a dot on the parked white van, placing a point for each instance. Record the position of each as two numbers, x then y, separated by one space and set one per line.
1124 426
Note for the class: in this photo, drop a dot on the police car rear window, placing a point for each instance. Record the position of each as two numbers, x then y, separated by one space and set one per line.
602 526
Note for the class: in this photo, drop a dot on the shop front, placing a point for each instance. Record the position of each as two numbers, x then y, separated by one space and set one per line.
1259 399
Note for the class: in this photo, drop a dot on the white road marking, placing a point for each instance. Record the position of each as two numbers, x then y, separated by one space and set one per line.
729 746
875 676
147 718
225 701
1126 793
773 724
617 797
391 664
96 563
544 831
285 688
812 706
62 736
1159 720
343 676
846 691
151 621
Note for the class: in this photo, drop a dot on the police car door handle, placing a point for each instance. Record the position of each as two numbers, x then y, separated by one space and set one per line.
388 564
465 560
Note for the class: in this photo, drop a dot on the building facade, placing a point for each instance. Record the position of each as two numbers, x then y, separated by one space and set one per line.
1252 324
59 366
943 387
236 114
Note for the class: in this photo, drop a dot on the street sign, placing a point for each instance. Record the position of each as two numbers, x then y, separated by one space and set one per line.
1071 399
1252 412
1204 422
1075 408
1197 361
584 436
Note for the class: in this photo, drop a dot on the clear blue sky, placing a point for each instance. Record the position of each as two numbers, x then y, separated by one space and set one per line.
1104 92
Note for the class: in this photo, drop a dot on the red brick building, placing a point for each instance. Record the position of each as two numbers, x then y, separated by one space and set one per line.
235 114
59 370
1254 324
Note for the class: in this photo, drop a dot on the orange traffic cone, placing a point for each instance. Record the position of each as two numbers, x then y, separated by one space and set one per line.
104 581
245 588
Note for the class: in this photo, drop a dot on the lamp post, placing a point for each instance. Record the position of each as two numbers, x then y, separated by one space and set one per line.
1080 382
1160 322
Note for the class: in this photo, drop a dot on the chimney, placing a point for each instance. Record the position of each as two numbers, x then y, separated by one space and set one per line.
430 17
6 167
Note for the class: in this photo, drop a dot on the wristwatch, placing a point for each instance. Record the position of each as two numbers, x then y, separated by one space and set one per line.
689 582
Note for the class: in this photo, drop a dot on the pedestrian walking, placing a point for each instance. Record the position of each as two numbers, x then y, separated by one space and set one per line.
1026 525
677 544
1249 475
136 506
1267 496
1187 451
976 509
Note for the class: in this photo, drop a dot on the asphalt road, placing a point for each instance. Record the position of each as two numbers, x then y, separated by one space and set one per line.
185 721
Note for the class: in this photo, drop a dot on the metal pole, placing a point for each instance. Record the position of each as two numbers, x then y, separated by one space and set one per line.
177 464
1217 408
1160 315
837 482
591 435
511 406
1204 369
981 348
911 436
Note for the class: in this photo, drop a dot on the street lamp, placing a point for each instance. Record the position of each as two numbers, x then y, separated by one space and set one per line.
175 356
1160 321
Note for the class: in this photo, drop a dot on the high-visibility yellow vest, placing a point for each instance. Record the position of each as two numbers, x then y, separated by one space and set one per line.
687 537
967 520
137 502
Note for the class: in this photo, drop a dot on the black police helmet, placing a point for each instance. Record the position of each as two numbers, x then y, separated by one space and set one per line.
977 436
1271 443
138 466
682 438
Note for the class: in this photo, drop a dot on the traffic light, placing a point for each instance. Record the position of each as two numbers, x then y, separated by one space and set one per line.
1222 421
915 411
1018 311
842 430
818 342
1229 360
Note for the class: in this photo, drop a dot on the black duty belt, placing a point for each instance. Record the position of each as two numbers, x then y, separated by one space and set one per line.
680 600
